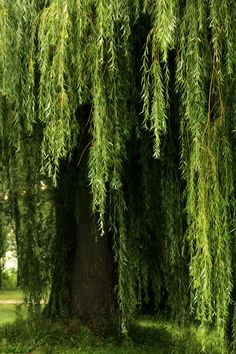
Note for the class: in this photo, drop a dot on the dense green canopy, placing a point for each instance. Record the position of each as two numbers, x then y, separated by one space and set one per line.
158 78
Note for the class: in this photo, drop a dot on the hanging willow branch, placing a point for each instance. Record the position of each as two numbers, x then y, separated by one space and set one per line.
206 157
58 55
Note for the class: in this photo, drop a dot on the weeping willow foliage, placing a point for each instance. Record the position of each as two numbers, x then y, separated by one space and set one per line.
233 344
204 70
2 235
117 57
37 228
175 255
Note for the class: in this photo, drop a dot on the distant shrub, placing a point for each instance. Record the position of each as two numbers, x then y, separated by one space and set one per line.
9 279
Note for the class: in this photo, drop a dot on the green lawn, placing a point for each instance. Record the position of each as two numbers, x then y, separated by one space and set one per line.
11 295
47 338
7 313
148 335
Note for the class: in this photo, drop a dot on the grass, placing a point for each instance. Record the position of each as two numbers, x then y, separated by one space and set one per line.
148 335
11 295
8 311
63 338
176 339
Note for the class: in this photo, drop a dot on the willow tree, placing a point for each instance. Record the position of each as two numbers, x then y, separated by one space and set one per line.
132 106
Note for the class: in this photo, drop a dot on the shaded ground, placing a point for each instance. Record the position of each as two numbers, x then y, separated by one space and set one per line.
148 336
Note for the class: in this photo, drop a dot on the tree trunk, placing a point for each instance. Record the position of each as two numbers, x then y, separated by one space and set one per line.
84 277
93 268
64 248
16 217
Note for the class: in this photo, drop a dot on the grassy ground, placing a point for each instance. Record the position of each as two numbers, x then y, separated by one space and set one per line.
11 295
148 336
8 311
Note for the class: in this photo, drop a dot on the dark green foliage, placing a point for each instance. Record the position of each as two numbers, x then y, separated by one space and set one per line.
9 279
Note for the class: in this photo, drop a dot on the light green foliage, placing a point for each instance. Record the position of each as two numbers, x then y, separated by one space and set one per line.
160 40
202 75
57 85
59 55
153 95
17 67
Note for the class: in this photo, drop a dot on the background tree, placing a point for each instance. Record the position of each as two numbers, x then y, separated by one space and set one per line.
131 106
5 221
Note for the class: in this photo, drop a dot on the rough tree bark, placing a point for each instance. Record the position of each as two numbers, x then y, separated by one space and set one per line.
93 268
84 273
